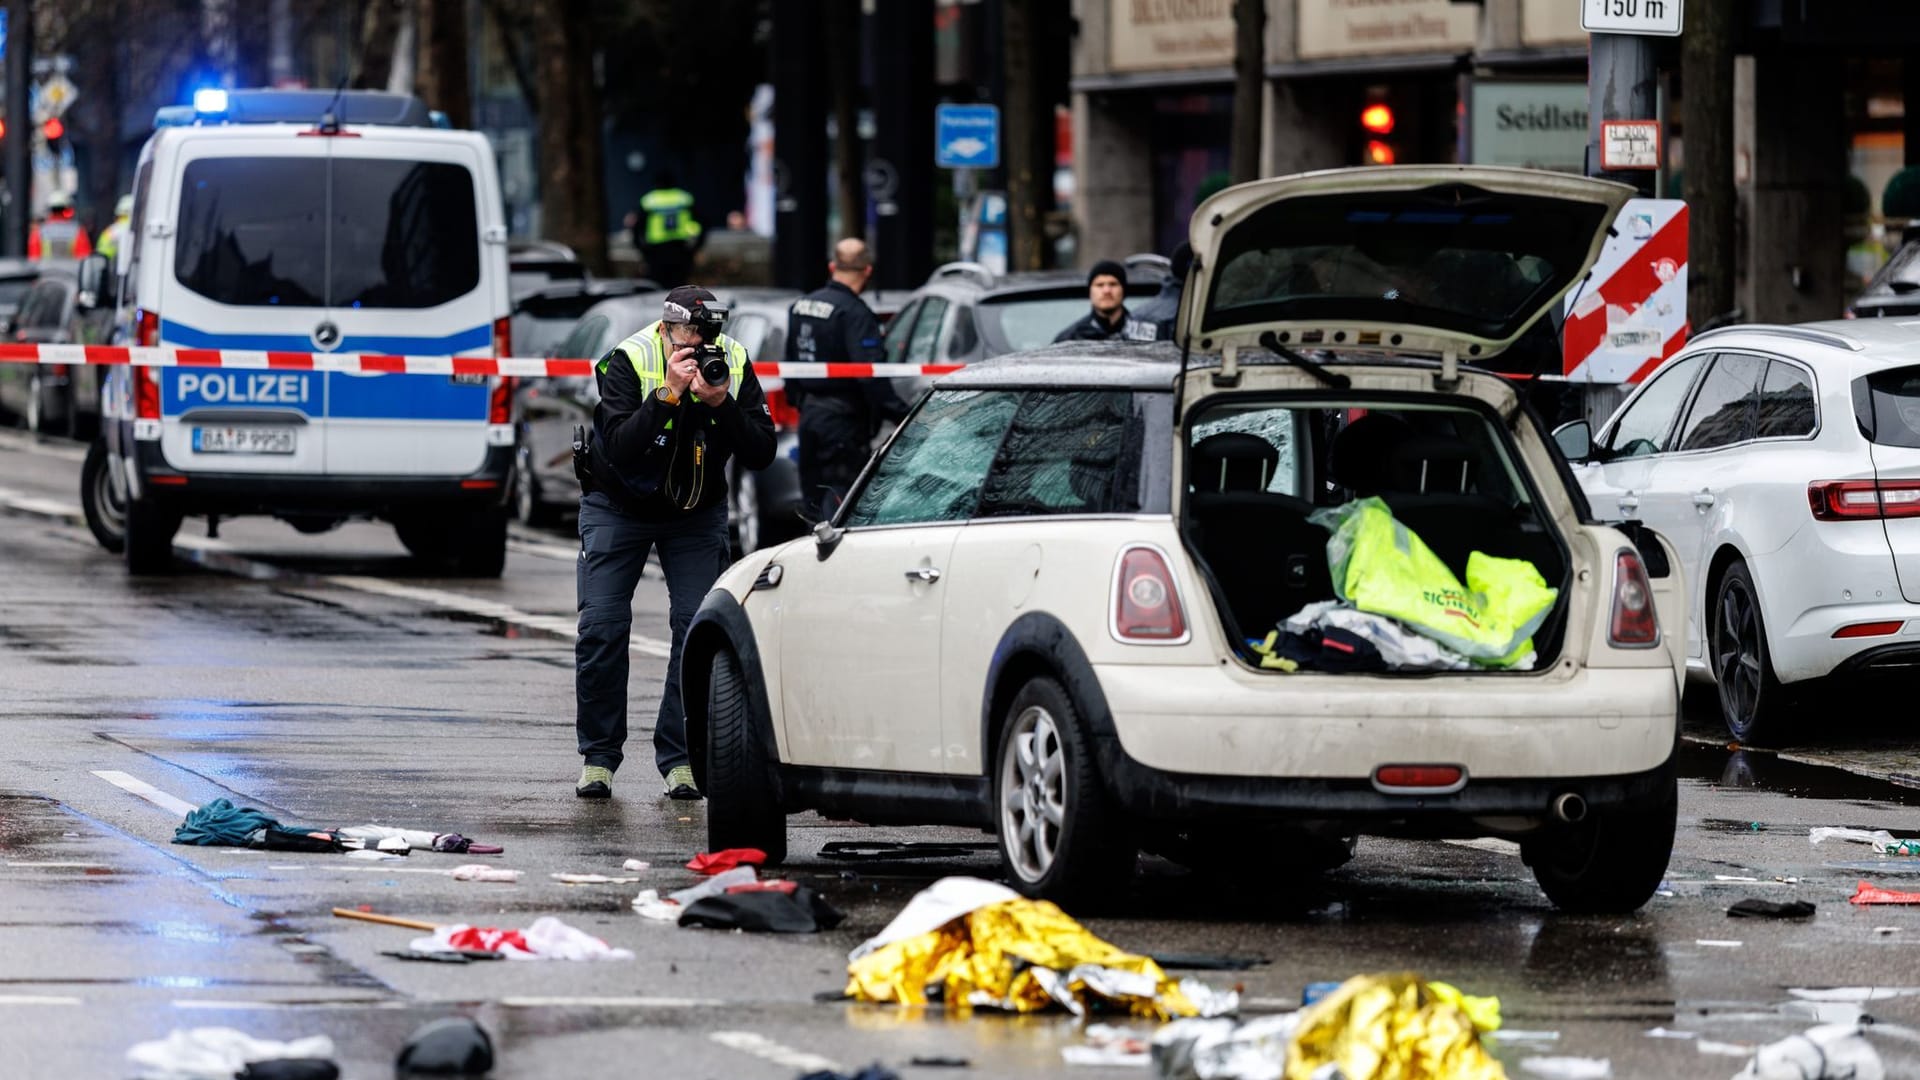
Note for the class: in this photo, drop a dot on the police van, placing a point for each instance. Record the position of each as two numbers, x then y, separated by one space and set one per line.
292 221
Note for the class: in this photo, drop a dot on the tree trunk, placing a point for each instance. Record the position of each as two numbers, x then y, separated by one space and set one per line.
572 188
1028 115
379 24
1249 85
1706 66
849 160
443 59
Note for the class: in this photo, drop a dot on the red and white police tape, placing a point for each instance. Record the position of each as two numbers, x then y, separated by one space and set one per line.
534 367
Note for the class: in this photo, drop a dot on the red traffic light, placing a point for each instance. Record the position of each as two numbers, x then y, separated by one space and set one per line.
54 128
1379 152
1377 118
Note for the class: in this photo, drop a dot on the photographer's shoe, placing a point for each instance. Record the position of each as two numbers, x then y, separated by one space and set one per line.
680 783
595 783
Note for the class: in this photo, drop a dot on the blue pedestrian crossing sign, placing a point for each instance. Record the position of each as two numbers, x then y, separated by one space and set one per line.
966 136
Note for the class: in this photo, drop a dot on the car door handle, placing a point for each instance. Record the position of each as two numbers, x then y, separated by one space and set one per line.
1703 499
924 574
1629 503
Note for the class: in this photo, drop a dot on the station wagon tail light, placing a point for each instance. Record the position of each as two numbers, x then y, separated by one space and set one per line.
1634 624
1146 605
1870 629
1856 500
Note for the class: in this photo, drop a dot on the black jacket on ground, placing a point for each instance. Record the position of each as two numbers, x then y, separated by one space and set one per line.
1124 327
832 325
654 472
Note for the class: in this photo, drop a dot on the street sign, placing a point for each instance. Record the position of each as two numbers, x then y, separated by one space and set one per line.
966 136
1631 311
1657 17
1629 144
57 93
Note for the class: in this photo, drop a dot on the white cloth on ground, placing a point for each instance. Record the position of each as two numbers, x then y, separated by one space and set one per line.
216 1053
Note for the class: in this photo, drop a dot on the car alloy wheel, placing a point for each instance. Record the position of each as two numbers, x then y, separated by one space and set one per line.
36 411
1033 793
746 508
1750 695
526 499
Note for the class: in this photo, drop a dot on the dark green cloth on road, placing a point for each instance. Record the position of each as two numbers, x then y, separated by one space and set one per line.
222 824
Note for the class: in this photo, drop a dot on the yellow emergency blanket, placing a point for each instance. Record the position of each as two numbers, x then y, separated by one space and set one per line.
1383 567
1396 1027
1020 955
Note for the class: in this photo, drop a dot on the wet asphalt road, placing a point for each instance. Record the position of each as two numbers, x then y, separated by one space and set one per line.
325 680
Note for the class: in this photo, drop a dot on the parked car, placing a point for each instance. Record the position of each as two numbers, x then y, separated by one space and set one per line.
533 265
1041 609
1783 462
543 318
1895 290
763 506
58 399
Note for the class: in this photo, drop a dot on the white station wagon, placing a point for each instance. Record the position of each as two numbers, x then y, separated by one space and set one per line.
1044 609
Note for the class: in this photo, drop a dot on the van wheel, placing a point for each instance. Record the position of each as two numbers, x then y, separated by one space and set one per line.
480 546
1609 864
1060 835
742 810
106 513
1752 701
149 537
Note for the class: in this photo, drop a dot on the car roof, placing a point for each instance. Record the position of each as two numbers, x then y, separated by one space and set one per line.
1080 365
1863 345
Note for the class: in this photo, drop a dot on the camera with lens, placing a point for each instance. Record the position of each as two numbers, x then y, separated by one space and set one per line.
713 364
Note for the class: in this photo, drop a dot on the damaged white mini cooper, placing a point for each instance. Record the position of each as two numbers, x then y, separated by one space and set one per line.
1311 576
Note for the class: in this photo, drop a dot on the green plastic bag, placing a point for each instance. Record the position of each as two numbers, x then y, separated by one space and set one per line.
1383 567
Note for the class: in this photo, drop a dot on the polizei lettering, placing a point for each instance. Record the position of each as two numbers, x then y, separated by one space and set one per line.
244 388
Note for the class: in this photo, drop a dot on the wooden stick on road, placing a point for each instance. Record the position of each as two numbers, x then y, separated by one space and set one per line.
388 920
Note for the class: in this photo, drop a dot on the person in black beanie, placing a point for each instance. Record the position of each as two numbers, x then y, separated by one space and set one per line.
1109 320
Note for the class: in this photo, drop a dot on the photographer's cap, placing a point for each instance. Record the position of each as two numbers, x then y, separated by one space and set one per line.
691 303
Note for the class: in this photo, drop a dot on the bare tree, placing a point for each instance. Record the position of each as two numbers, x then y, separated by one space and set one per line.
379 26
1249 84
572 190
443 59
843 70
1035 65
1706 66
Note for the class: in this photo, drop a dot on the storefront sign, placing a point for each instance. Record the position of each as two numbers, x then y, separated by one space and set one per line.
1550 22
1528 124
1629 144
1156 35
1331 28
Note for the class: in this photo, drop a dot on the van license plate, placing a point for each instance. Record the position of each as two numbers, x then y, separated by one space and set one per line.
243 440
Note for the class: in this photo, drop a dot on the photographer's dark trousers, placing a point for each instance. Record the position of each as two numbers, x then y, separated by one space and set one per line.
613 551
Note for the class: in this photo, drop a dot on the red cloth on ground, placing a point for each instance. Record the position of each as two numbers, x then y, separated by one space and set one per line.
719 862
1869 893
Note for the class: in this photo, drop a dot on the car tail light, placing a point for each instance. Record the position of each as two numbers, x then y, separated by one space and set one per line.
1146 606
1855 500
785 416
1422 777
1870 629
500 402
1634 624
146 328
146 393
502 337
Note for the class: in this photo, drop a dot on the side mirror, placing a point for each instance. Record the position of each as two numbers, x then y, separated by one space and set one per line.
92 278
1575 440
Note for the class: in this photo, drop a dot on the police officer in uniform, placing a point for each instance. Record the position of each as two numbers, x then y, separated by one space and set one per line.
666 230
1109 320
653 476
838 417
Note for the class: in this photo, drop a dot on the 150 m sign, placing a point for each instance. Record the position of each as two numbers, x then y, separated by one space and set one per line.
1660 17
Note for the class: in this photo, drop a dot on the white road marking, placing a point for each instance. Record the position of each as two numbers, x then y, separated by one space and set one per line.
748 1042
610 1003
268 1006
61 865
562 626
1488 843
42 507
146 791
27 444
544 549
7 1000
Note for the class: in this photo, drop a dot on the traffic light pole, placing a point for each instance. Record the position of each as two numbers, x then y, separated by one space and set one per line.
19 130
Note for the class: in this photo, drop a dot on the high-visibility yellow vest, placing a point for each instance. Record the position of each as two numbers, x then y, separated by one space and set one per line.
647 352
669 215
1381 566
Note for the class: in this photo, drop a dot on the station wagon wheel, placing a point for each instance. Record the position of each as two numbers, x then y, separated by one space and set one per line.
1750 696
1060 835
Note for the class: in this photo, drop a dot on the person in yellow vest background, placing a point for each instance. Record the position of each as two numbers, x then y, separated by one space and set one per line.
677 399
58 236
666 230
110 236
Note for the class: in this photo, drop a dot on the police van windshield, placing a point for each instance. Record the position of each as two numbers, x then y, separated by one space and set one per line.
252 232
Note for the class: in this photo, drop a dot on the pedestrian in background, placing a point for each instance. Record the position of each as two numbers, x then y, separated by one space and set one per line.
110 236
667 230
58 236
838 417
1109 320
655 477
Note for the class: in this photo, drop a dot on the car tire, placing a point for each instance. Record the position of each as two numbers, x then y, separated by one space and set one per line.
425 538
479 544
529 503
106 514
1610 863
743 810
1061 837
1752 702
149 537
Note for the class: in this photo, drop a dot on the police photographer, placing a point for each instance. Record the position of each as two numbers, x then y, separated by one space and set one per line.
677 400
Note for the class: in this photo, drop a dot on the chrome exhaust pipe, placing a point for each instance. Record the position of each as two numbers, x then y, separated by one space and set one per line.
1569 808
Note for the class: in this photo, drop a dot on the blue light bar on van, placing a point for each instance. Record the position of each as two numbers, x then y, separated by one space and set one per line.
210 101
